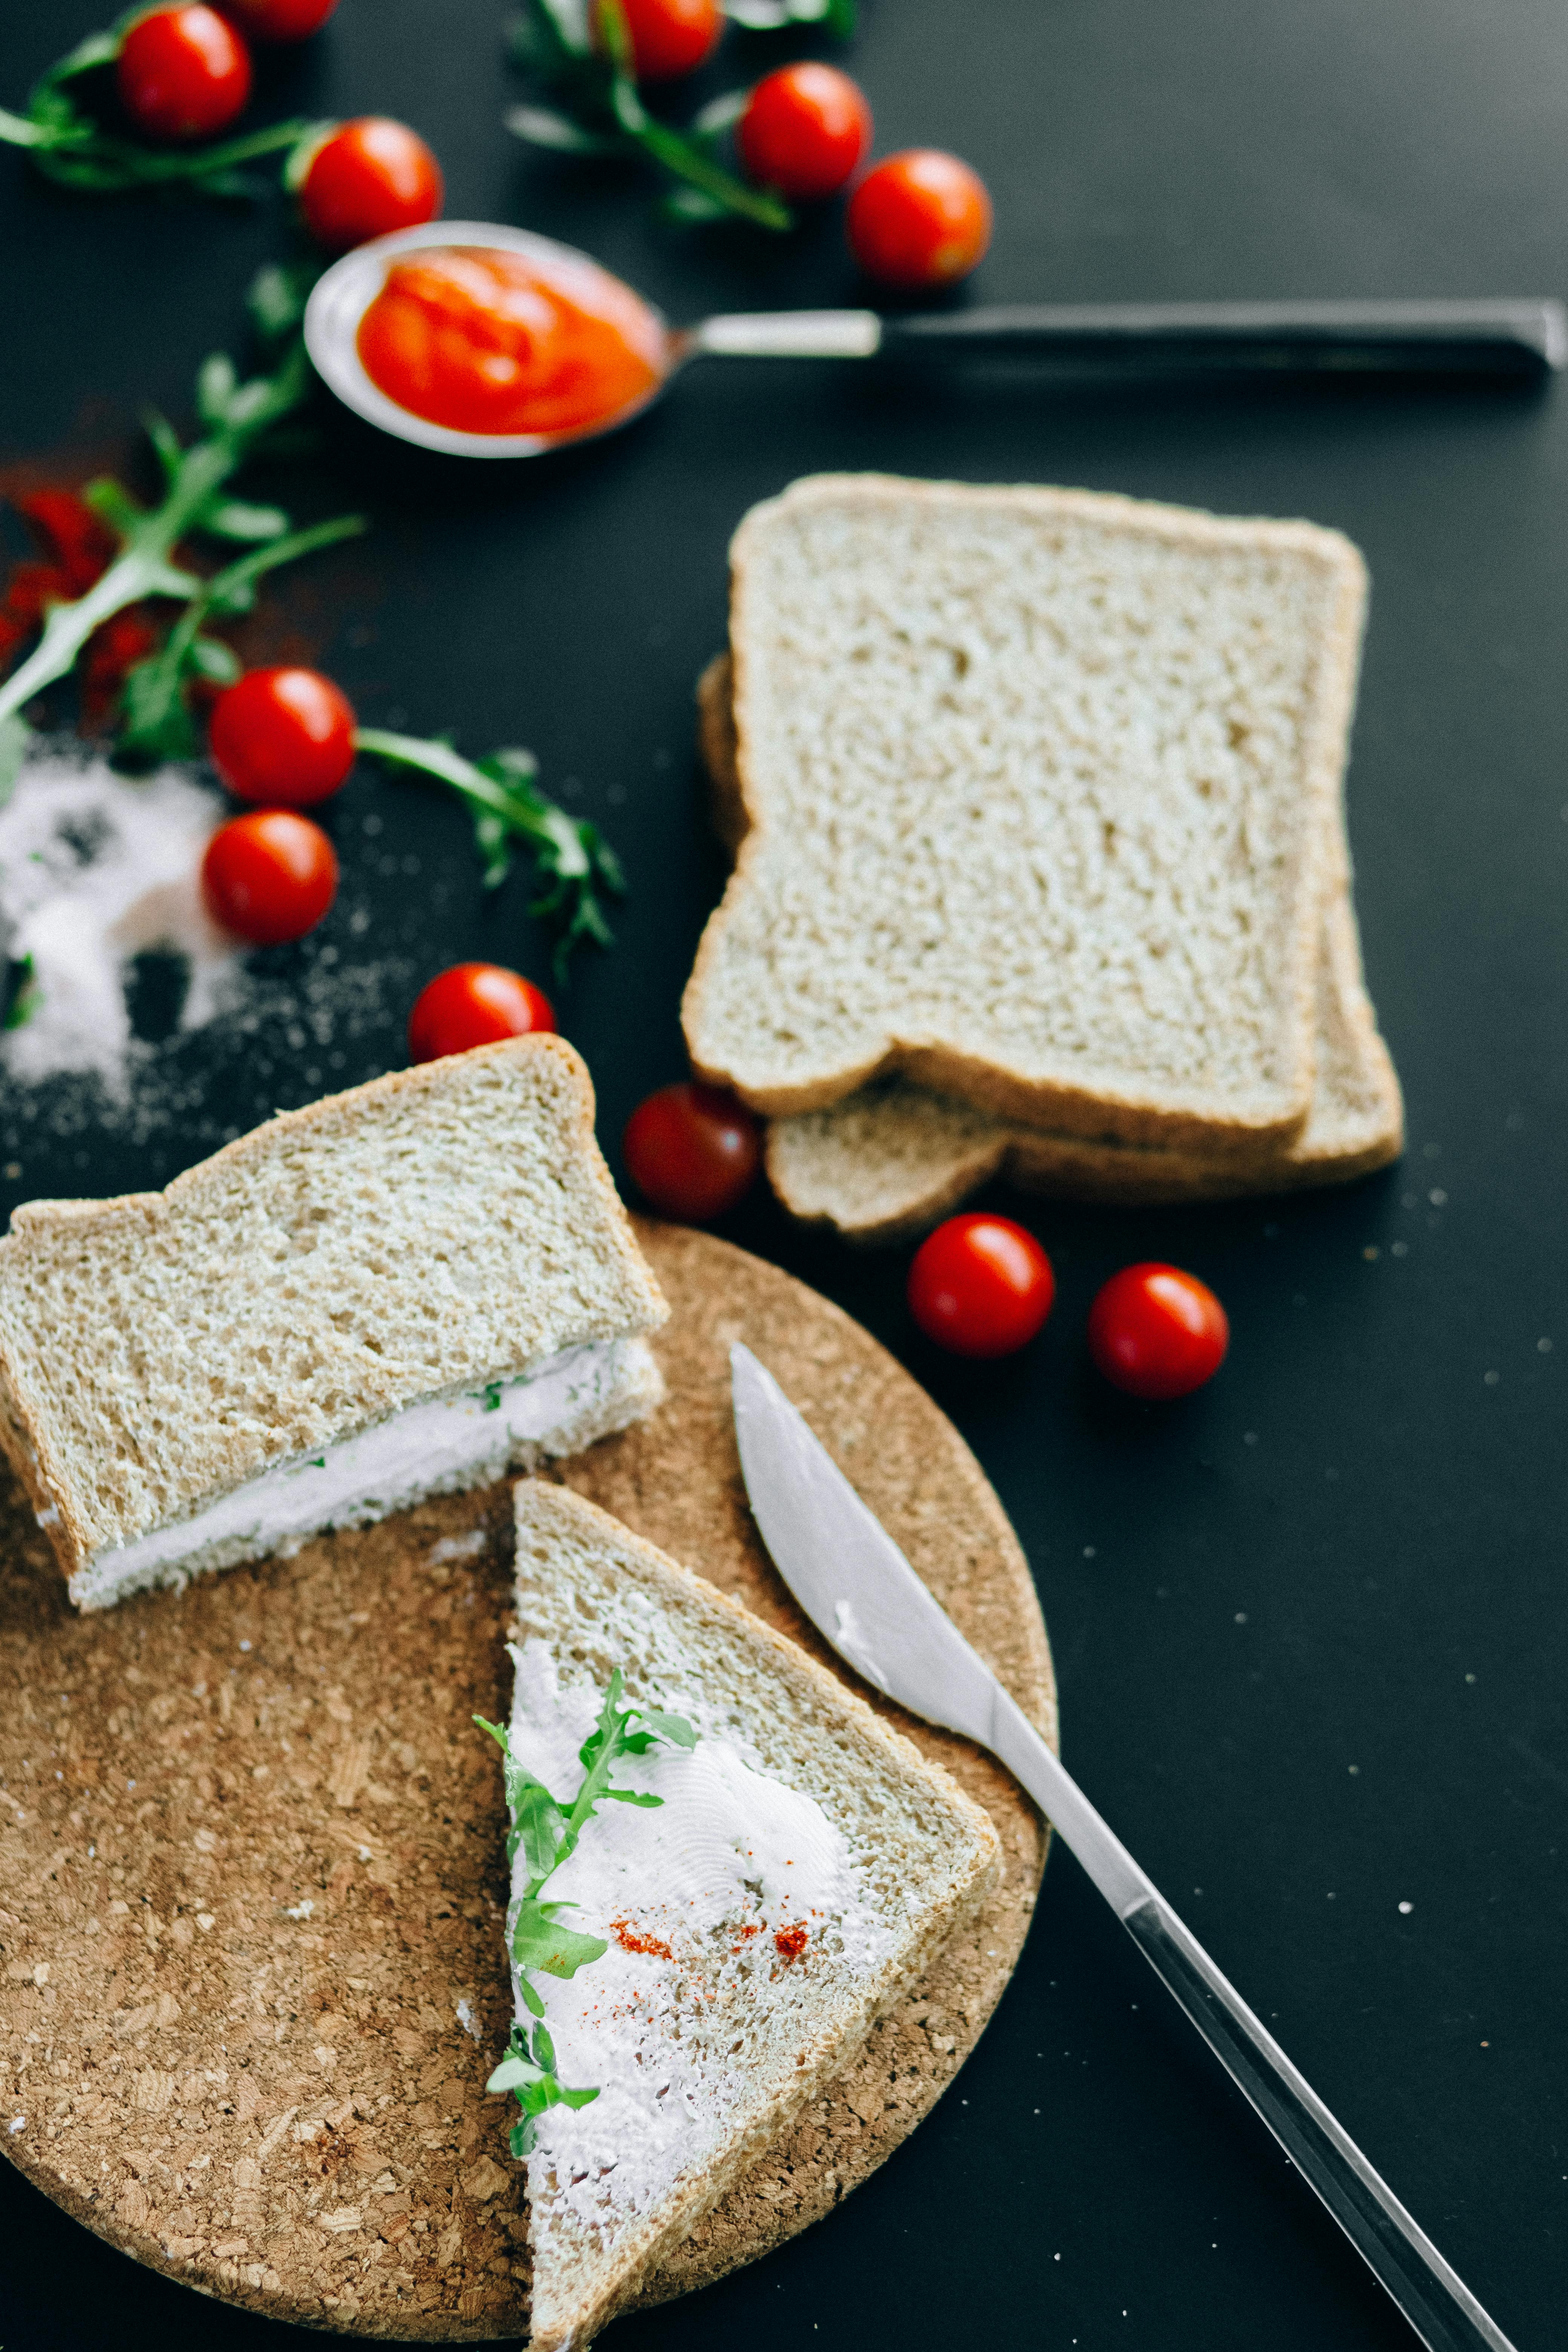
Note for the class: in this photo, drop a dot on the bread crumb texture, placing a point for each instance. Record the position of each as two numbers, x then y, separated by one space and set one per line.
253 1867
440 1227
1037 782
758 2040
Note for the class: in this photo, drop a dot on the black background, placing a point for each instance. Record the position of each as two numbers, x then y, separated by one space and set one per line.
1309 1625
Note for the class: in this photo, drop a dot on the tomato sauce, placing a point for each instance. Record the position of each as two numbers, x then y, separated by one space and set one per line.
485 340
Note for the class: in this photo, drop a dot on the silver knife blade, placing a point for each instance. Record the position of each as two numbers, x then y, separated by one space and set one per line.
862 1595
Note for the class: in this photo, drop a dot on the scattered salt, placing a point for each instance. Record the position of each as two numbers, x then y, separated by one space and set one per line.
95 869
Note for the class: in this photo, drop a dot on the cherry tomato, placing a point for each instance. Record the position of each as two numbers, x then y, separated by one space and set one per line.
279 20
269 877
669 37
921 218
692 1150
805 130
367 178
181 73
1157 1332
282 738
981 1286
475 1004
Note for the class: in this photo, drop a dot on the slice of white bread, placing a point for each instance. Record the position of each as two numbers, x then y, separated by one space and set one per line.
401 1289
705 2038
1039 785
893 1157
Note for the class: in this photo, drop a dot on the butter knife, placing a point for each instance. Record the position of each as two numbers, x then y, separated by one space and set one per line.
863 1597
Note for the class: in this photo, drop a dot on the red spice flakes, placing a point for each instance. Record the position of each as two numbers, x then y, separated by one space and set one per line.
632 1939
791 1942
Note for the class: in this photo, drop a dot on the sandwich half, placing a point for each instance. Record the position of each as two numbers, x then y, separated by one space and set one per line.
706 1958
1038 786
400 1291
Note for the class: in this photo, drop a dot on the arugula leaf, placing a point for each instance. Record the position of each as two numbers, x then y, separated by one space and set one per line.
25 995
529 2075
835 17
70 145
573 861
536 1821
540 1940
599 110
241 418
547 1833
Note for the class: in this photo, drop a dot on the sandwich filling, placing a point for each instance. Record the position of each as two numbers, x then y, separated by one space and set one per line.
718 1908
437 1446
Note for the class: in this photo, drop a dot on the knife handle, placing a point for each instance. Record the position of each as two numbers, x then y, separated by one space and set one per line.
1436 2301
1433 2297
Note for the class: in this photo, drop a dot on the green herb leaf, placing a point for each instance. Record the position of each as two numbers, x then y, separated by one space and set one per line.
539 1941
25 994
535 1934
836 16
278 293
598 109
539 126
15 739
719 113
575 864
214 663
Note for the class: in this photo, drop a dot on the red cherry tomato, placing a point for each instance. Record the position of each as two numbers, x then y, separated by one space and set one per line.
921 218
475 1004
282 738
269 877
805 130
1157 1332
279 20
692 1150
181 73
981 1286
669 37
367 178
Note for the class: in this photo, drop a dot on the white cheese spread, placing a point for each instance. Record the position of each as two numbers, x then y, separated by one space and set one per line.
438 1446
710 1906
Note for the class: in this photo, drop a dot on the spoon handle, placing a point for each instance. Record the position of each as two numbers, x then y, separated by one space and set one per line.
1516 338
1523 337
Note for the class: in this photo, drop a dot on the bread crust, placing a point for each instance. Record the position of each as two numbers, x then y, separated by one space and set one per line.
1111 1105
26 1432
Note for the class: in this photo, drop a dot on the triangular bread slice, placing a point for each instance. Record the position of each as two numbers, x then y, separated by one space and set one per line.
806 1866
398 1291
1039 785
892 1158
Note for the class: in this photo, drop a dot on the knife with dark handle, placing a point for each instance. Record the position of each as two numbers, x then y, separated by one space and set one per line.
863 1597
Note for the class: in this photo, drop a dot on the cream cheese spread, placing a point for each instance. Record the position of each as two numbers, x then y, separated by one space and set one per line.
709 1905
437 1446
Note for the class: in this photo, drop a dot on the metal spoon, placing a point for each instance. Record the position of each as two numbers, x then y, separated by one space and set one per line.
1501 338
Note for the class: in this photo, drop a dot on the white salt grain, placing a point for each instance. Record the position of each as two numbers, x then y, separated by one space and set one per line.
95 869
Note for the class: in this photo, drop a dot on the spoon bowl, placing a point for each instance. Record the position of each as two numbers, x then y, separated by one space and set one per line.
341 297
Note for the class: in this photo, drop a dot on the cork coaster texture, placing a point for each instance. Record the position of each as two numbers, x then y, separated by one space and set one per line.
252 1875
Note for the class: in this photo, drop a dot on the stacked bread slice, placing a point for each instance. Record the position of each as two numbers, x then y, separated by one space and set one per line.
1038 803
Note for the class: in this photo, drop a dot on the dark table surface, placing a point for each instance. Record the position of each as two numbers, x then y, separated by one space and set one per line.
1310 1625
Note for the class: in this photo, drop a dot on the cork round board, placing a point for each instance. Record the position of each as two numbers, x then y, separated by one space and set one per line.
252 1874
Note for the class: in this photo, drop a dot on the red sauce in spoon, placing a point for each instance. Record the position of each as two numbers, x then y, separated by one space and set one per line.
487 339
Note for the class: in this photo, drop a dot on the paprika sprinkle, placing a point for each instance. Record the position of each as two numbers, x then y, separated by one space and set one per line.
487 340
